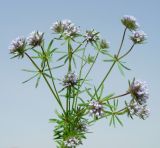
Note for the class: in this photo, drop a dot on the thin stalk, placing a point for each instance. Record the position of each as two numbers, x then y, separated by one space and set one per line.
122 41
80 73
127 52
86 76
69 70
45 81
49 68
78 46
115 97
121 111
106 75
124 33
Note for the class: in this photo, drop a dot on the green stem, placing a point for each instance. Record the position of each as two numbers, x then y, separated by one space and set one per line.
80 73
127 52
49 68
115 97
116 56
106 75
69 70
86 76
78 46
122 41
45 81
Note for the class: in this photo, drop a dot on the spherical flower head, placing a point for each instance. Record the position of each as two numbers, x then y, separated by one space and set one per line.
70 30
145 112
72 142
17 46
138 37
130 22
104 44
96 108
35 38
57 27
82 126
70 79
91 36
139 110
139 91
65 27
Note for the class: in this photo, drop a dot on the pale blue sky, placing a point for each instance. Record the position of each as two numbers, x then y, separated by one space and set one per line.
24 110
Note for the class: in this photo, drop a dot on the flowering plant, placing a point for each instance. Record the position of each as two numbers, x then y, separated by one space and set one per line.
80 103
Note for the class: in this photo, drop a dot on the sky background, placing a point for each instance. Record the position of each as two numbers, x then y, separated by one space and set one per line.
24 110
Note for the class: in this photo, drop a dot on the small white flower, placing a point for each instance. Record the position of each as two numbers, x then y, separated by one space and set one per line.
130 22
57 27
18 46
66 27
70 79
35 38
91 35
72 142
139 110
139 91
96 108
138 37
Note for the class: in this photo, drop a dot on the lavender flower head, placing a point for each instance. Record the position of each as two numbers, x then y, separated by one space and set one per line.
130 22
72 142
91 35
35 38
18 46
96 108
139 91
138 37
139 110
66 27
70 79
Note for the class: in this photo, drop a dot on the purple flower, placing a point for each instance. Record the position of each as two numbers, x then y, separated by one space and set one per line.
130 22
91 35
17 46
96 108
138 37
70 79
65 27
139 110
72 142
139 91
35 38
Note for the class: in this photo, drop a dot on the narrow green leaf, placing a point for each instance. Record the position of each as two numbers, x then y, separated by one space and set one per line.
30 78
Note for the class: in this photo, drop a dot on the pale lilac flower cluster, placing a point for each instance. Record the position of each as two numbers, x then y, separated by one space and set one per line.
130 22
96 108
139 91
139 110
66 27
70 79
72 142
91 35
18 46
138 37
35 38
